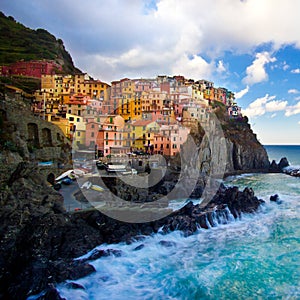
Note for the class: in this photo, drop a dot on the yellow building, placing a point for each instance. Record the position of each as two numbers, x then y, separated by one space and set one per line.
142 135
77 126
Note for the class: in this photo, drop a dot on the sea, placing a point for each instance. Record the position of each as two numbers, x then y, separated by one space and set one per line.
254 257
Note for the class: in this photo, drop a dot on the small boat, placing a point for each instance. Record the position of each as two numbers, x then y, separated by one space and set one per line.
87 185
100 165
67 181
64 175
97 188
115 168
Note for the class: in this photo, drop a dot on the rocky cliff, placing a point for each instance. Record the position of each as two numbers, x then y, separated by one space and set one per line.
39 239
223 146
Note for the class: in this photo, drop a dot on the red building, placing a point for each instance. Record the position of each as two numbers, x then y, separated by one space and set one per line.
33 68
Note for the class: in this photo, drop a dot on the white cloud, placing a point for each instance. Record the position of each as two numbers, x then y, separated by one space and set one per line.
273 116
220 67
256 72
122 37
192 67
293 110
242 93
276 105
293 91
264 105
285 66
295 71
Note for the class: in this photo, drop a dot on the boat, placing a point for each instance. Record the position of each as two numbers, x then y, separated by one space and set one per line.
64 175
115 168
87 185
67 181
97 188
100 165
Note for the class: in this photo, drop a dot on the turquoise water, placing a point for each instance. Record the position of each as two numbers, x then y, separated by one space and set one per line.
255 257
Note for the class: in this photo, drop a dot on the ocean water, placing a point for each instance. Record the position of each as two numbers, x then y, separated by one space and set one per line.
291 152
255 257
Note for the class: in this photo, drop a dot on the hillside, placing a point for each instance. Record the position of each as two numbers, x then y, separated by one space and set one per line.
18 42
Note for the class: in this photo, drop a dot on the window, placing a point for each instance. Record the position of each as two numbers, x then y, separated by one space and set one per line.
92 134
78 133
78 119
71 118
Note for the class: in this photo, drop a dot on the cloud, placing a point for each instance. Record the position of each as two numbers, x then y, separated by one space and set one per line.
285 66
256 72
126 37
293 91
264 105
273 116
242 93
220 67
293 110
295 71
192 67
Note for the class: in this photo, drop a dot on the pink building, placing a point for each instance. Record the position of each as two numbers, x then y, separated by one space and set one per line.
92 129
33 68
110 139
170 139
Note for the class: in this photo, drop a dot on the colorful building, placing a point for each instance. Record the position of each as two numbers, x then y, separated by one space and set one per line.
32 68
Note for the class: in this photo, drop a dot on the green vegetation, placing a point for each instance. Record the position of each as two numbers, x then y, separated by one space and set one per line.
18 42
27 84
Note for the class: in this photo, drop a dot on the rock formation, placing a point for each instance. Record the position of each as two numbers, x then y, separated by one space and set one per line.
39 239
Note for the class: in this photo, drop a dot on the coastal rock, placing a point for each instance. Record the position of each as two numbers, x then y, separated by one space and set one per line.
51 293
39 239
139 247
96 254
167 244
74 286
279 168
274 197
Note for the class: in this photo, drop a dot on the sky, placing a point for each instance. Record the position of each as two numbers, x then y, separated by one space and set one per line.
251 47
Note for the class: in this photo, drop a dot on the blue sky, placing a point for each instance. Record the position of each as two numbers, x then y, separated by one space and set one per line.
251 47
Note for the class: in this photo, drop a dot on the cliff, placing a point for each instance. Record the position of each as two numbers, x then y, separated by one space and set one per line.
18 42
39 239
224 146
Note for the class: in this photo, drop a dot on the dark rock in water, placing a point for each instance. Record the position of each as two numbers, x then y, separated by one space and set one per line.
51 293
81 270
141 246
39 240
74 286
167 244
278 168
274 198
283 163
96 254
